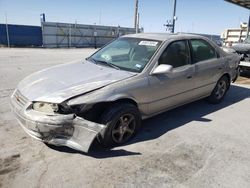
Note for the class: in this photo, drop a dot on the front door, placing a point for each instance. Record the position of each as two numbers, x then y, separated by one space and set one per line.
174 88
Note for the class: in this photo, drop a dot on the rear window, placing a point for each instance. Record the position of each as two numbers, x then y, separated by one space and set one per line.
202 50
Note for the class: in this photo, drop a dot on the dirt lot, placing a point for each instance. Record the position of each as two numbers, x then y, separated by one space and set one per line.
198 145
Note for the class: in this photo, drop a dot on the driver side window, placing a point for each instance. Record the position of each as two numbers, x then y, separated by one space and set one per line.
176 54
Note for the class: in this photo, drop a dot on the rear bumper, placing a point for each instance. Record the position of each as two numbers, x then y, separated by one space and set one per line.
245 64
61 130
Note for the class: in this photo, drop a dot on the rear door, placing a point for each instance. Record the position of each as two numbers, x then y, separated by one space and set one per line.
208 66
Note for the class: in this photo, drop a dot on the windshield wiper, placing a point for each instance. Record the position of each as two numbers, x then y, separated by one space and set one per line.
105 63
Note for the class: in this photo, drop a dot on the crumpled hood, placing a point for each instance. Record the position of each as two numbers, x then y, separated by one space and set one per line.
242 47
62 82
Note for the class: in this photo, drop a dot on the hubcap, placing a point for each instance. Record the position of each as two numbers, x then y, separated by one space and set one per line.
221 89
124 128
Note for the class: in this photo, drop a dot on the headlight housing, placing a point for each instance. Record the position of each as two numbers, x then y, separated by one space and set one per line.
45 107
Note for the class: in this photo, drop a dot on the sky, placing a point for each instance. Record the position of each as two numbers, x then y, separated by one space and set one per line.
195 16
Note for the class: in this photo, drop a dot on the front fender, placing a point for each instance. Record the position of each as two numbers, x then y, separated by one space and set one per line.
99 96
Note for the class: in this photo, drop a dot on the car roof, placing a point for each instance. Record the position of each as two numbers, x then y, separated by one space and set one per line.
164 36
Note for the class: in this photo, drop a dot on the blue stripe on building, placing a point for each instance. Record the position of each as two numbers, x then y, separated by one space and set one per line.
21 35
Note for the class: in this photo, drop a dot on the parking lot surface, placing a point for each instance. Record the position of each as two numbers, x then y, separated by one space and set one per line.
197 145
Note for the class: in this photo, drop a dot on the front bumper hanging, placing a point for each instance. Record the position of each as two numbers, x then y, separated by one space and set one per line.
61 130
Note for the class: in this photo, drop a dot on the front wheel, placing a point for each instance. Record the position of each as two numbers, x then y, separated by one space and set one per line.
219 91
122 121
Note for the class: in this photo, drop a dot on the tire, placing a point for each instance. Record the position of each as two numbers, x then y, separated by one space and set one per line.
219 91
122 121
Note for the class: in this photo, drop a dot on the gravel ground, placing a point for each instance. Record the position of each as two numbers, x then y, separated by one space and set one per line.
197 145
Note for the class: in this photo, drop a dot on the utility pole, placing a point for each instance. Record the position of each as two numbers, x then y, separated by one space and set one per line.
136 16
7 30
174 16
248 25
138 22
170 26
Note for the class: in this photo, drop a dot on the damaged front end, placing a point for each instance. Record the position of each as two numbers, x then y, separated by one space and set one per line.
61 129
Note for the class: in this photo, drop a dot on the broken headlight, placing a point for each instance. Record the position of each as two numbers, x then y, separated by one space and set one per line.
45 107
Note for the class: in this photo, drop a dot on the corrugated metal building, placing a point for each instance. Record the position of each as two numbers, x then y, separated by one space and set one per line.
65 35
61 35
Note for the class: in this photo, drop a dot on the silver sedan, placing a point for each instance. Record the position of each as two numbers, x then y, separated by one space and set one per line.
106 96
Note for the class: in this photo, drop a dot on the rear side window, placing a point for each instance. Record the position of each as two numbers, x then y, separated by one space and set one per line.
176 54
202 50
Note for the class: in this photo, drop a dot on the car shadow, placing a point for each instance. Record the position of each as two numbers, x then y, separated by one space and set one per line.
158 125
95 151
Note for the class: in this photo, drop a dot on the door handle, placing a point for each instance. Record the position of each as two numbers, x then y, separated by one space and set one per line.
220 68
189 77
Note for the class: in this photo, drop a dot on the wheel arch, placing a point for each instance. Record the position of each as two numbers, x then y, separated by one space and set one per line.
228 76
98 108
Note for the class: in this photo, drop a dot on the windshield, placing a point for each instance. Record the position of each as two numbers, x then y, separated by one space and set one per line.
130 54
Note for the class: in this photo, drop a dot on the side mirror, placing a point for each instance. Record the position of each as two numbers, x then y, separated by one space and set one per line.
163 69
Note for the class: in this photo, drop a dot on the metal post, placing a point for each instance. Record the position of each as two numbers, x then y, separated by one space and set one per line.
136 15
138 23
43 40
248 25
75 34
42 17
70 35
95 35
7 30
42 20
118 31
174 16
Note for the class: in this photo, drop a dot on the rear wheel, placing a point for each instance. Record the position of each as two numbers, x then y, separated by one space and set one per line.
219 91
122 121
